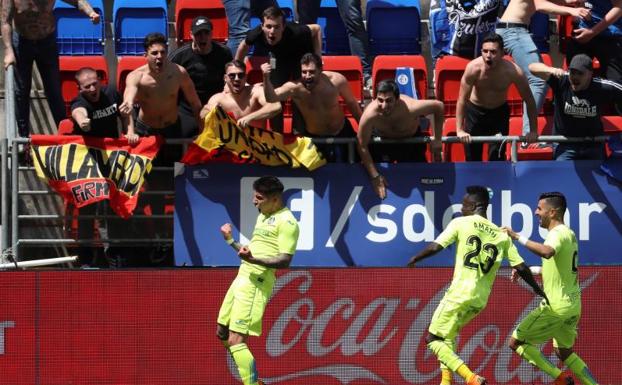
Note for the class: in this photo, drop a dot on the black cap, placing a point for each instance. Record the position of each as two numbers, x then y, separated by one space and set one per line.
201 23
581 63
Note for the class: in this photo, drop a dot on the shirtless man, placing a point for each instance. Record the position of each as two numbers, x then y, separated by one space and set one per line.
246 102
155 87
513 27
394 116
482 108
316 94
28 33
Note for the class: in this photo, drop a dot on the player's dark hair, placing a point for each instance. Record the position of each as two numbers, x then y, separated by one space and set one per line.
273 13
479 195
494 38
388 86
237 64
268 185
309 58
84 70
154 38
556 199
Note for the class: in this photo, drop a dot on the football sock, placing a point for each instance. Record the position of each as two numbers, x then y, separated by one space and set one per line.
445 354
445 377
245 362
535 357
464 372
579 368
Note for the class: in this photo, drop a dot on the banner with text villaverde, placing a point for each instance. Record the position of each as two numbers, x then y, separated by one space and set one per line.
343 222
222 140
85 170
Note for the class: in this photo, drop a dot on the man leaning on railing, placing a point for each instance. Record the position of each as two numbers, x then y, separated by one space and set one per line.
578 98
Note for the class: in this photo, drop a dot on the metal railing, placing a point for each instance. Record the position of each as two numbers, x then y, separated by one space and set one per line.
16 218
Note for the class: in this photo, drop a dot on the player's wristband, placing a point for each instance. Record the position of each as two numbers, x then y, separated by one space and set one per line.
230 241
523 240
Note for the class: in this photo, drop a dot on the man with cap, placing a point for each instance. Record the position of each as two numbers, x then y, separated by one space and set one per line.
205 60
578 97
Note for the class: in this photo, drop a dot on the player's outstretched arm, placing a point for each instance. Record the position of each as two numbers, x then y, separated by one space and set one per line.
431 249
525 274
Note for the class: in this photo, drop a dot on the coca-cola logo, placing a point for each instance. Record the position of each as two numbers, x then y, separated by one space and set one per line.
348 338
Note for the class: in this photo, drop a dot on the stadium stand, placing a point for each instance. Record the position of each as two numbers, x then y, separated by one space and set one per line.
545 127
453 152
334 36
352 69
447 75
127 64
564 31
186 10
384 68
69 65
394 27
540 33
65 127
516 102
75 33
612 124
133 20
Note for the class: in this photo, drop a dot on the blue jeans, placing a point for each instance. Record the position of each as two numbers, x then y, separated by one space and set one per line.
579 151
518 43
352 17
44 52
239 18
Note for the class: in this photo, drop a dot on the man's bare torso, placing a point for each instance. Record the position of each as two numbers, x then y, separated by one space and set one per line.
33 19
519 11
242 104
397 125
320 107
492 84
157 96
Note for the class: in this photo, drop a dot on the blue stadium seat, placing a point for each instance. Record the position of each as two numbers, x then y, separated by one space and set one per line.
539 28
133 20
75 33
334 36
394 27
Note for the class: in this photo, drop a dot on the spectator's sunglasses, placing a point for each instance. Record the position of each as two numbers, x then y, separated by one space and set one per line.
234 75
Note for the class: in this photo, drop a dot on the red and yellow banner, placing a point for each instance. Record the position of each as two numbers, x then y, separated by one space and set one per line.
222 140
85 170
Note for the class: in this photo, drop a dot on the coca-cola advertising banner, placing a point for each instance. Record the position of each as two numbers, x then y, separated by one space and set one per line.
322 326
343 222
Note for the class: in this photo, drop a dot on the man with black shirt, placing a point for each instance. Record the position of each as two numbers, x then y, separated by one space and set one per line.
578 98
94 110
287 42
205 60
95 114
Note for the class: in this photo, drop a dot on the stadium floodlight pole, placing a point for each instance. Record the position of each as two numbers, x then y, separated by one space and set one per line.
38 263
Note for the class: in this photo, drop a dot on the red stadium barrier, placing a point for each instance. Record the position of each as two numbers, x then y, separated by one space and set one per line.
322 326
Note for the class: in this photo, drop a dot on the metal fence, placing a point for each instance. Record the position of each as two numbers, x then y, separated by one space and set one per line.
14 218
10 202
